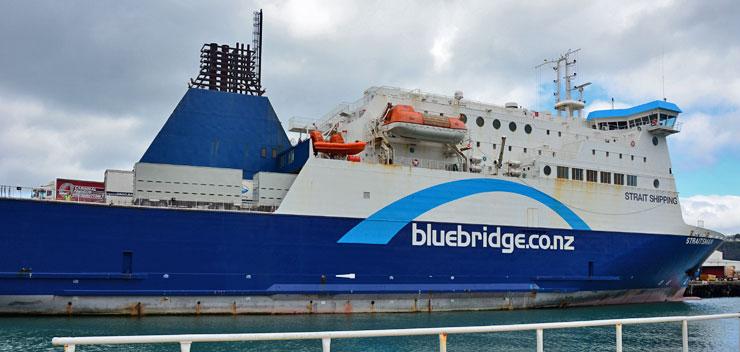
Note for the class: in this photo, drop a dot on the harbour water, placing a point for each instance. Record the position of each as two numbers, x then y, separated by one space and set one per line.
35 333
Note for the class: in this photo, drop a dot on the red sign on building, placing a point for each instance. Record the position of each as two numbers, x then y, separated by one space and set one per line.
80 191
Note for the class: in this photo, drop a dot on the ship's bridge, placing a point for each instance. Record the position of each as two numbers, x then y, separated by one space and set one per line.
659 117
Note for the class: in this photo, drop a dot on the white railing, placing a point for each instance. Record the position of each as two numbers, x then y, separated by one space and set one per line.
186 341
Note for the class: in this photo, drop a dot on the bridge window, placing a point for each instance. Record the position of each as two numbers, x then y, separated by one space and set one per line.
512 126
632 180
618 179
653 119
606 177
496 124
562 172
591 175
528 129
479 121
464 118
577 174
547 170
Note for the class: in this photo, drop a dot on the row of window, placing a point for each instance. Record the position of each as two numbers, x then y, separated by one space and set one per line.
564 172
194 193
632 157
480 121
653 119
263 152
188 183
287 159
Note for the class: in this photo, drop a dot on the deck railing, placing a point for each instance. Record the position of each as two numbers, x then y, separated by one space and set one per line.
185 341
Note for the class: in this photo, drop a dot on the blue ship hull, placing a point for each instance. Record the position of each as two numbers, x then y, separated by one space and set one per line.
55 251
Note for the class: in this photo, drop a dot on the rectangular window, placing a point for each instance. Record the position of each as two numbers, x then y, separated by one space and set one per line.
618 179
577 174
562 172
606 177
263 152
632 180
591 175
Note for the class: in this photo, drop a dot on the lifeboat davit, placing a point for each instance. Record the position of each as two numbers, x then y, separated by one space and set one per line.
404 121
335 145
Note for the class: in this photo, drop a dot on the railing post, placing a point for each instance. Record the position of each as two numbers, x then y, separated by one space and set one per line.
443 342
540 340
185 346
685 335
325 344
69 348
619 337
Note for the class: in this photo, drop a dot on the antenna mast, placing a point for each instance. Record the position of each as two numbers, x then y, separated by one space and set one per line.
568 104
257 45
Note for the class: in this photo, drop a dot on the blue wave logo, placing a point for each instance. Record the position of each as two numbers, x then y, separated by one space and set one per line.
384 224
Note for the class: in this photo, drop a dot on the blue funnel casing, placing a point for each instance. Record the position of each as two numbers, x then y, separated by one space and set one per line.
218 129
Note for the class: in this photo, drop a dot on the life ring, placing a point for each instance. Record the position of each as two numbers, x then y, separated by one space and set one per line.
632 144
415 162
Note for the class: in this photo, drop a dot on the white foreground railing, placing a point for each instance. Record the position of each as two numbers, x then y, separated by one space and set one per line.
185 341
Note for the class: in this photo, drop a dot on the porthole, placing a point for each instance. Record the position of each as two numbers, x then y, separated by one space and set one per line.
528 129
547 170
656 183
479 121
512 126
463 118
496 124
655 140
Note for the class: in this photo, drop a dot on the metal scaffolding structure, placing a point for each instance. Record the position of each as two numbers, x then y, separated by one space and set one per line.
234 69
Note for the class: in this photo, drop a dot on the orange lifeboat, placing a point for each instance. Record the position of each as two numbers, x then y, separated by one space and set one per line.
335 145
404 121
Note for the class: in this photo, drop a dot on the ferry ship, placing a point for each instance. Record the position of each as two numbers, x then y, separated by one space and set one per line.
402 201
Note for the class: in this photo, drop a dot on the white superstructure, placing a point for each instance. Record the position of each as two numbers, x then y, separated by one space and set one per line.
612 169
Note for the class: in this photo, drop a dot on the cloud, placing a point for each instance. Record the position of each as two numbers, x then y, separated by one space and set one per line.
704 138
442 48
721 213
42 143
311 18
114 59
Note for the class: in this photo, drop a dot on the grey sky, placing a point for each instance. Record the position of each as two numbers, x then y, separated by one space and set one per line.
85 85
